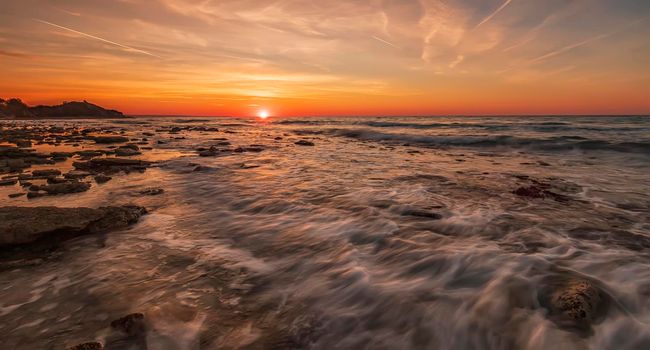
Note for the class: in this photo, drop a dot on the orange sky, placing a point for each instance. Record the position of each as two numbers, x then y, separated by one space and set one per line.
335 57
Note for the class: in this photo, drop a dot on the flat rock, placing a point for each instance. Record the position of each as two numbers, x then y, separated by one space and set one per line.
112 165
46 172
24 225
64 187
110 139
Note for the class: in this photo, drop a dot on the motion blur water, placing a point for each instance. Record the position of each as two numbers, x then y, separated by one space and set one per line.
337 245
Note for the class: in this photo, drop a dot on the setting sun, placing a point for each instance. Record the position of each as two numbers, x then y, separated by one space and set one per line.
263 114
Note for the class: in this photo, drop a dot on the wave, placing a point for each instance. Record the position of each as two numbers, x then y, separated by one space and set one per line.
559 143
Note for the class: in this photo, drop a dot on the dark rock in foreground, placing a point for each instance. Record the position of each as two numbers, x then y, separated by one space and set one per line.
24 225
574 303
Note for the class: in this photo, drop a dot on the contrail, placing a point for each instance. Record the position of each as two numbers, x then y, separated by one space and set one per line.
385 42
494 13
129 48
570 47
585 42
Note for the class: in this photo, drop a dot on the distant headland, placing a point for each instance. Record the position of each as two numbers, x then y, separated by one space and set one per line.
14 108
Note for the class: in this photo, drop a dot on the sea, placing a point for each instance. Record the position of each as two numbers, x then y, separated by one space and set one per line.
386 233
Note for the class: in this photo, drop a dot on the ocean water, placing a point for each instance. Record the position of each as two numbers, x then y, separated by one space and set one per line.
389 233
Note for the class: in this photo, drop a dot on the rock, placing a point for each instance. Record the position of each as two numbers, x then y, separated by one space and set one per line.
89 153
152 191
254 149
24 143
573 303
422 214
46 172
65 187
24 225
304 143
8 182
109 139
100 179
16 195
76 174
535 191
36 194
61 155
87 346
126 152
112 165
16 164
56 180
132 324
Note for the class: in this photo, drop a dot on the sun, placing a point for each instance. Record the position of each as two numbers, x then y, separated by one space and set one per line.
263 114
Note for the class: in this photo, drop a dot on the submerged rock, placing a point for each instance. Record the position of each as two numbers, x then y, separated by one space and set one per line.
535 191
422 214
304 143
152 191
24 225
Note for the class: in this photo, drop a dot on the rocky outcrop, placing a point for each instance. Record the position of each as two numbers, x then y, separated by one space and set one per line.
15 108
25 225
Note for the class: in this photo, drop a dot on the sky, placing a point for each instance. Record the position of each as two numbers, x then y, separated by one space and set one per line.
330 57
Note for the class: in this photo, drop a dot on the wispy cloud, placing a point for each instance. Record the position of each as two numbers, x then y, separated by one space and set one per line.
128 48
459 59
488 18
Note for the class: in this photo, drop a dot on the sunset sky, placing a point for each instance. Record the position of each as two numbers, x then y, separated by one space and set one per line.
330 57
